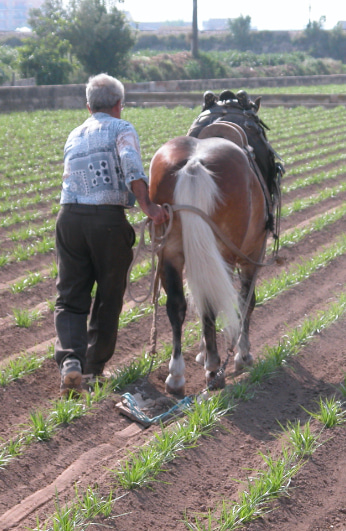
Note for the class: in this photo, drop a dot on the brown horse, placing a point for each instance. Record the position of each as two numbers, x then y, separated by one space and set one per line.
215 176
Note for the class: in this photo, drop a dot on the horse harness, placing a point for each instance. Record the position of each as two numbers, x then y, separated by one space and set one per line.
240 112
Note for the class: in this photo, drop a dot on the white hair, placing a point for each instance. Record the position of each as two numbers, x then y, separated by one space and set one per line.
103 92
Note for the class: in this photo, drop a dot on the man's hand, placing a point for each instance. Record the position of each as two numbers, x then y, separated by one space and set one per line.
155 212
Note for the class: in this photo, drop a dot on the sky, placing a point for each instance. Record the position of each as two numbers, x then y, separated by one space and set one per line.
265 14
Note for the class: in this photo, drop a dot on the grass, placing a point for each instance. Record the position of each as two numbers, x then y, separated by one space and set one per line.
295 235
259 491
25 318
302 440
27 233
66 411
265 291
31 280
331 412
272 287
73 517
300 204
343 386
19 367
315 178
40 428
22 252
274 479
267 365
146 464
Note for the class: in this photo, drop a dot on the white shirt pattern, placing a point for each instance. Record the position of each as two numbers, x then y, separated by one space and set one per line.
101 159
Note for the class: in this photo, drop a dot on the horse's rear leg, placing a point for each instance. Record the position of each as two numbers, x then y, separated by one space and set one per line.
200 358
247 303
212 359
176 310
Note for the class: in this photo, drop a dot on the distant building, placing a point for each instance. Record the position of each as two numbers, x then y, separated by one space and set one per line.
14 13
216 24
160 27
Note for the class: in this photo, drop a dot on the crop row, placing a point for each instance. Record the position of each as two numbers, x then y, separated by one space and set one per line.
37 146
142 467
43 424
314 178
266 291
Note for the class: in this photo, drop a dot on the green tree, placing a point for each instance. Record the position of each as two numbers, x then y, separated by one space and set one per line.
45 59
240 29
101 39
50 18
315 39
337 43
8 61
92 31
46 54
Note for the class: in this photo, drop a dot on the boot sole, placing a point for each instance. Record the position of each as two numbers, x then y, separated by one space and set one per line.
72 383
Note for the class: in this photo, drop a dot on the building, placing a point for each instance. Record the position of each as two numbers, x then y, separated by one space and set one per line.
216 24
14 13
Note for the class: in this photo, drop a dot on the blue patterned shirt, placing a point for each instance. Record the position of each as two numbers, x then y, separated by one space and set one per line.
101 159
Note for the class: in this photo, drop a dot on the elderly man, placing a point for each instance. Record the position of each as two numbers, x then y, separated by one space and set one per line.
103 175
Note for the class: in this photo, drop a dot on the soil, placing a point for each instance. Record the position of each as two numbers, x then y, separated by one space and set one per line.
85 452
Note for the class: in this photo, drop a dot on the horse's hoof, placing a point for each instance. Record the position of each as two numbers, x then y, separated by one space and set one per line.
200 358
175 386
177 391
215 380
240 363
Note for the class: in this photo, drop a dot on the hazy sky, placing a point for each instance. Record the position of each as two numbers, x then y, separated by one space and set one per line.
265 14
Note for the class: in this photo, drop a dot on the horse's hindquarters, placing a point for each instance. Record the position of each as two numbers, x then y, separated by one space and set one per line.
212 175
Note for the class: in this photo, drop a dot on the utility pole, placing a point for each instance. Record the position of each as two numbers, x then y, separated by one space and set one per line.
194 48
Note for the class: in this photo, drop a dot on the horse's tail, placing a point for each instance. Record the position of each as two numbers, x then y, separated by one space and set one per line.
208 275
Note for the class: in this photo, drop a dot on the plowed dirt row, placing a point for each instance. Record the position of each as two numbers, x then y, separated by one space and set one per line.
85 451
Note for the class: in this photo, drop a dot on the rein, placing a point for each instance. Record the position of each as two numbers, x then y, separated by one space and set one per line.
228 243
157 244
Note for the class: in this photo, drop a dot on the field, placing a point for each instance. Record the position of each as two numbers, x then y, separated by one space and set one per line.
269 453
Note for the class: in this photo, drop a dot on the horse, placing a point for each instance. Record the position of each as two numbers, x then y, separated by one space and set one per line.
217 198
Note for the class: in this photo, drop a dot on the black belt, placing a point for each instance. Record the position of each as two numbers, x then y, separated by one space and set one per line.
92 209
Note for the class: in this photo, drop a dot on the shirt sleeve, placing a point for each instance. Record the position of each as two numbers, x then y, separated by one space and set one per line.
127 143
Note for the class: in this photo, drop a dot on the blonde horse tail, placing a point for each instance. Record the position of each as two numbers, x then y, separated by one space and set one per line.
208 275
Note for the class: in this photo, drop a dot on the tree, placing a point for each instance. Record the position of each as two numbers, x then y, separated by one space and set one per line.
8 60
46 54
100 39
316 38
45 59
240 29
337 43
50 18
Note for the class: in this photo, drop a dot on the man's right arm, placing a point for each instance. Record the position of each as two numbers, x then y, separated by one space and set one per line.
155 212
